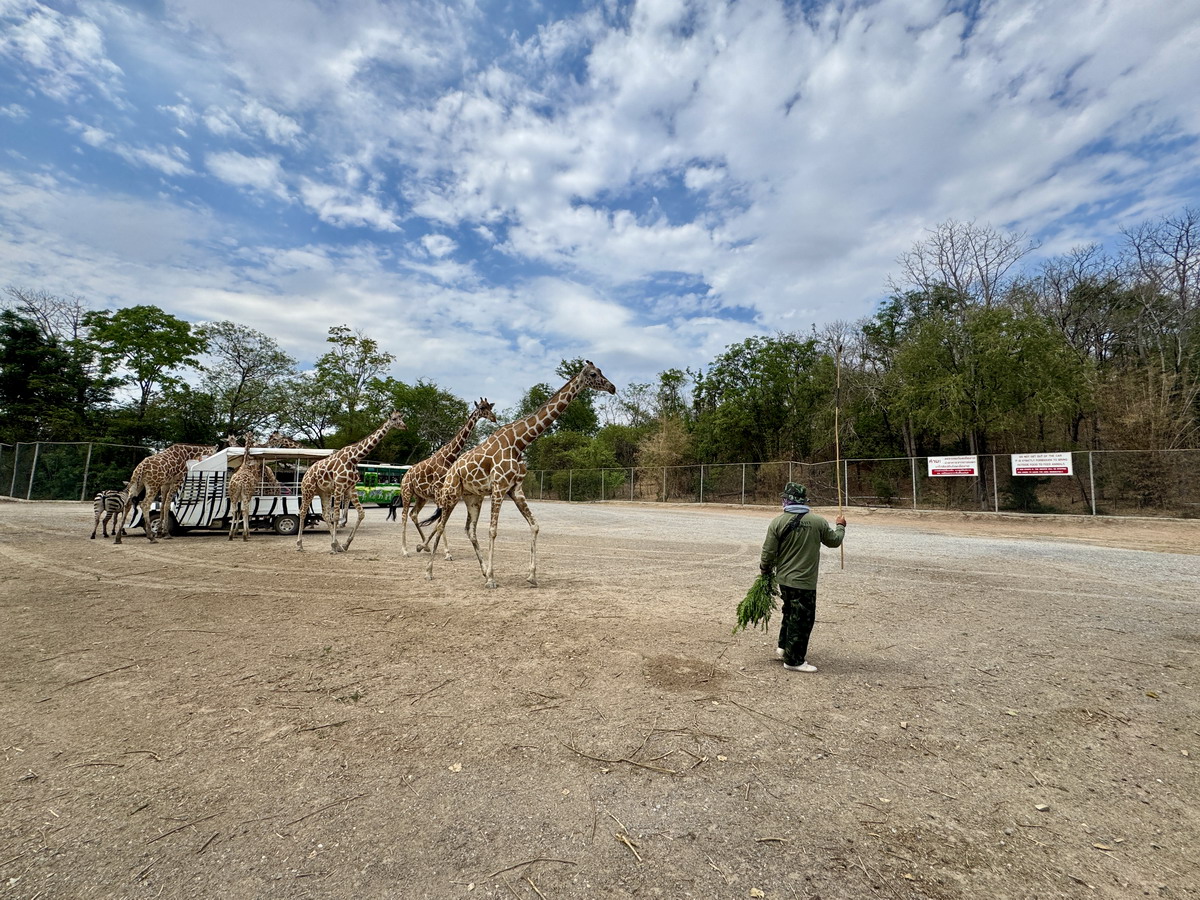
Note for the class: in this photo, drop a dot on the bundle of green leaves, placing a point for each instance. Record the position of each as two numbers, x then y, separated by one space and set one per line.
758 604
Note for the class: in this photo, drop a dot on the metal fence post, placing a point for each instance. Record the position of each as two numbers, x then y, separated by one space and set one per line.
913 460
602 471
87 465
1092 481
664 499
702 482
631 477
995 485
542 485
33 469
570 484
12 488
743 484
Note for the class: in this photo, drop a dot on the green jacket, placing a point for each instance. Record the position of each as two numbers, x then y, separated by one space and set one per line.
797 561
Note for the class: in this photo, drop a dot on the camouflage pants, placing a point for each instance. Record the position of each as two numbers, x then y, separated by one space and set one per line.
799 614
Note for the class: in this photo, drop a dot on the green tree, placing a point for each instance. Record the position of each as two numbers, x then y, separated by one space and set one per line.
40 385
244 374
759 399
309 408
148 345
351 370
979 375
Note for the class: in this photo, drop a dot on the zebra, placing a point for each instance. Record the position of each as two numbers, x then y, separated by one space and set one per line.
109 505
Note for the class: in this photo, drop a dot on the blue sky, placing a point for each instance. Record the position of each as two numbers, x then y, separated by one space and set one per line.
488 187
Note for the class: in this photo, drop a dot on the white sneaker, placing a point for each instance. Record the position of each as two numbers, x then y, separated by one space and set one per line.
779 653
803 667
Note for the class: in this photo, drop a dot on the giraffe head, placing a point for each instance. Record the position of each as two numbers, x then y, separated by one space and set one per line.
484 406
281 440
593 378
395 420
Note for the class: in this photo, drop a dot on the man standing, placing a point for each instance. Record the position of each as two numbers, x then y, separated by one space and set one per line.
793 550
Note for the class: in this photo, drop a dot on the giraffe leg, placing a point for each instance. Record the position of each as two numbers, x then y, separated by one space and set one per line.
244 511
412 506
361 515
164 510
493 529
144 509
333 514
120 526
447 503
306 498
518 497
474 505
424 540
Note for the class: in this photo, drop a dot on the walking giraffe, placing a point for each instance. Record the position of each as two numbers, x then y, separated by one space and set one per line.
334 477
245 483
422 481
496 468
162 474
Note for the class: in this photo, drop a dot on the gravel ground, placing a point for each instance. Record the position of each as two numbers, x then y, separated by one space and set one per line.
1006 707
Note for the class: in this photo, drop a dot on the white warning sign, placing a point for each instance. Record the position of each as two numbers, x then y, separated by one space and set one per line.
1042 464
950 466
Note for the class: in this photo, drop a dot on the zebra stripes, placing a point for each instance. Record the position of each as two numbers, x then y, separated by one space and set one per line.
109 504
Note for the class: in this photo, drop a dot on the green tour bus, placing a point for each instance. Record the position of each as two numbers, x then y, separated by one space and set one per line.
379 482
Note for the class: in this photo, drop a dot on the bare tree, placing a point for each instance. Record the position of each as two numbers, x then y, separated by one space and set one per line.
972 260
58 318
1165 257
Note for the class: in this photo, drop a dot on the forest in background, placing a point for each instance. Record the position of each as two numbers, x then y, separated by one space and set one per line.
975 351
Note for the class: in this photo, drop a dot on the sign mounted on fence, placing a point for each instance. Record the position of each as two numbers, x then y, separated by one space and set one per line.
948 466
1042 464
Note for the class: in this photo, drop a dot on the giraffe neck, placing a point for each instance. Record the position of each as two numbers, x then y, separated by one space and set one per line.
357 451
454 446
525 431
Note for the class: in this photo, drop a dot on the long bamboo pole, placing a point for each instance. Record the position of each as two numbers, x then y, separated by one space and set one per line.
837 441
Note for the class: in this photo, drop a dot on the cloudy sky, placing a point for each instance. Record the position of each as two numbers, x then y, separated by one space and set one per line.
488 187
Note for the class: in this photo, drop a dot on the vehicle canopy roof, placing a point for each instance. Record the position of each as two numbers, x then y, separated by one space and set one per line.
231 457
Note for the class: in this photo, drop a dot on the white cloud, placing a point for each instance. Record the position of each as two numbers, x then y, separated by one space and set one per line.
438 245
278 129
684 156
343 208
66 53
168 160
259 173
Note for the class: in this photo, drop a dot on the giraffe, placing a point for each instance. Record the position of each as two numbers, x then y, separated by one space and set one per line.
497 467
243 486
280 440
333 479
421 482
162 474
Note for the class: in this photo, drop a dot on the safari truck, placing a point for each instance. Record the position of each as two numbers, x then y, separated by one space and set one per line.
203 499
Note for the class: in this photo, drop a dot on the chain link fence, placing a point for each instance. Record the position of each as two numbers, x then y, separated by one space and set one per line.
1103 482
52 471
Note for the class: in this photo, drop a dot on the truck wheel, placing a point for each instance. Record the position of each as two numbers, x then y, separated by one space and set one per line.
286 525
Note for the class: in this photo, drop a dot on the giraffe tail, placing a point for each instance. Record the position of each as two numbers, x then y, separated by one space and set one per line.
434 516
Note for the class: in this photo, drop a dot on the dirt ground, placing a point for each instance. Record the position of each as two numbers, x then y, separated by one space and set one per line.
1006 707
